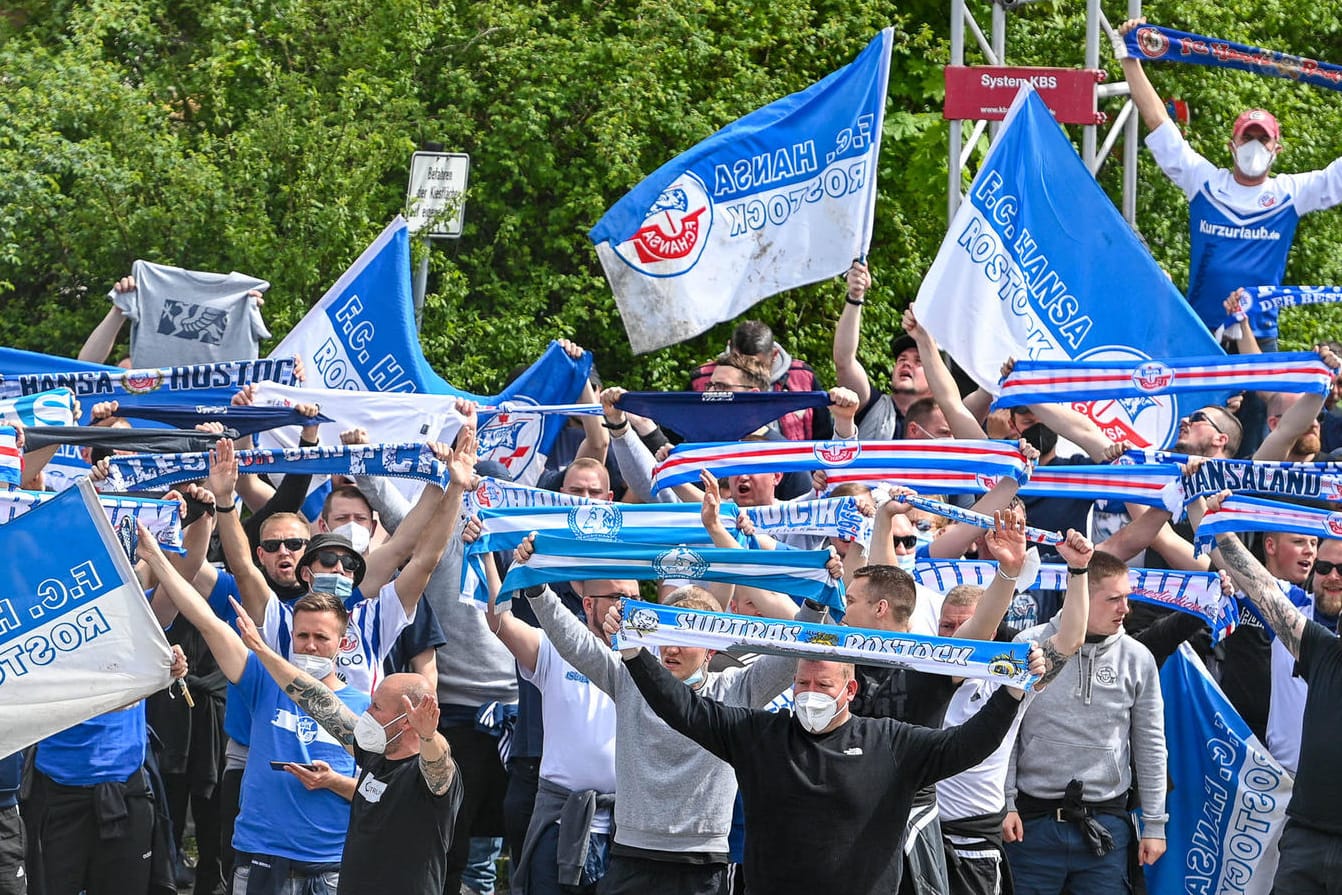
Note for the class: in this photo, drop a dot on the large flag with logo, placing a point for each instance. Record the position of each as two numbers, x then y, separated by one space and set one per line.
1039 265
77 637
361 337
778 199
1227 796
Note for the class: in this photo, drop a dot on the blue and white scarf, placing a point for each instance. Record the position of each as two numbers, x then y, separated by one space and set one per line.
108 385
799 573
499 493
1159 44
958 464
50 408
142 472
1053 382
651 624
1238 514
1257 299
1196 593
982 520
1318 481
159 516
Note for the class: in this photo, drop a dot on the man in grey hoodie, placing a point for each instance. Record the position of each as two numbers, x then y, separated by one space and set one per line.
673 806
1068 827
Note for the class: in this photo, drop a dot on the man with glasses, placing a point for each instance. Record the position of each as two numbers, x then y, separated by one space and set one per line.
576 786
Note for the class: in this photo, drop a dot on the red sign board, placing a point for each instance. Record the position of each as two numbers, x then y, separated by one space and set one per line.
976 92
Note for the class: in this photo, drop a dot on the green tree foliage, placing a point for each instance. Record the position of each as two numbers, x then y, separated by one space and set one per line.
273 137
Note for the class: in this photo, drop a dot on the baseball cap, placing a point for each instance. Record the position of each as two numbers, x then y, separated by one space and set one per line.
902 344
1256 118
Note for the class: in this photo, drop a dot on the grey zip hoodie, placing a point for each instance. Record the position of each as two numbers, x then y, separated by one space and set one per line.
671 794
1102 713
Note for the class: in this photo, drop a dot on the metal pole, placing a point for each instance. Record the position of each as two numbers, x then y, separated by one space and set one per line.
1092 61
422 281
957 58
1130 147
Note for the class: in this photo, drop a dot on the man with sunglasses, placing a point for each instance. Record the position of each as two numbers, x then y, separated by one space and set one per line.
577 766
332 565
1286 707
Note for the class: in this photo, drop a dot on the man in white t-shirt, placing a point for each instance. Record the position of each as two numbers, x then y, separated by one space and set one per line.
568 839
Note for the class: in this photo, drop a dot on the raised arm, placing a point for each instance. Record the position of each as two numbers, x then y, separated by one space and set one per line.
433 541
962 421
1006 539
222 483
312 695
1297 419
595 437
522 640
1076 551
1257 583
227 647
848 371
1144 96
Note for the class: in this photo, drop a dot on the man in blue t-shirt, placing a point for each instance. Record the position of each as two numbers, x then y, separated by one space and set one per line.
299 779
1241 220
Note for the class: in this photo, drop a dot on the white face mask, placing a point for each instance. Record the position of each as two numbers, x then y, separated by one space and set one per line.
695 679
815 710
907 561
1253 158
358 536
319 667
372 736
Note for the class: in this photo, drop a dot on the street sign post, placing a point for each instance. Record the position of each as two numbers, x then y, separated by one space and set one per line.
437 188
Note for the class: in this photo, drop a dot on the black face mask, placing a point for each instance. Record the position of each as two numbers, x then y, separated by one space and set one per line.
1041 438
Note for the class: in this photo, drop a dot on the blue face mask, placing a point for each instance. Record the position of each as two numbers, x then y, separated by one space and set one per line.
695 679
332 583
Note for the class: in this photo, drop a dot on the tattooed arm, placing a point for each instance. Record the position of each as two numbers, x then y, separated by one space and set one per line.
1258 584
312 695
435 756
1076 551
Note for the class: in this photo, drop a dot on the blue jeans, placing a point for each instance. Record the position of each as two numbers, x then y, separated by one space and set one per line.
1053 857
480 872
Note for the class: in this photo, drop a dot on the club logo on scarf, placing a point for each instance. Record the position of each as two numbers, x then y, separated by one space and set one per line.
644 621
1143 421
1152 43
1334 523
837 453
595 521
141 382
674 232
1005 665
680 562
1152 376
986 482
489 494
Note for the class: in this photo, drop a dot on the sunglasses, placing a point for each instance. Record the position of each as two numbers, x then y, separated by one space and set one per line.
1322 567
1199 416
347 561
293 545
908 542
612 596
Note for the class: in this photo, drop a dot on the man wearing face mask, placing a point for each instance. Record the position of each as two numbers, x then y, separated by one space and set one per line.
846 835
332 565
405 801
1241 219
298 779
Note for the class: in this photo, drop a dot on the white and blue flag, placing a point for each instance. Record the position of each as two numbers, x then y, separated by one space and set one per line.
1039 265
77 637
778 199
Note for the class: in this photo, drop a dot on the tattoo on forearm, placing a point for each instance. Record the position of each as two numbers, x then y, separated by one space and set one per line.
1055 658
324 707
437 772
1263 591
